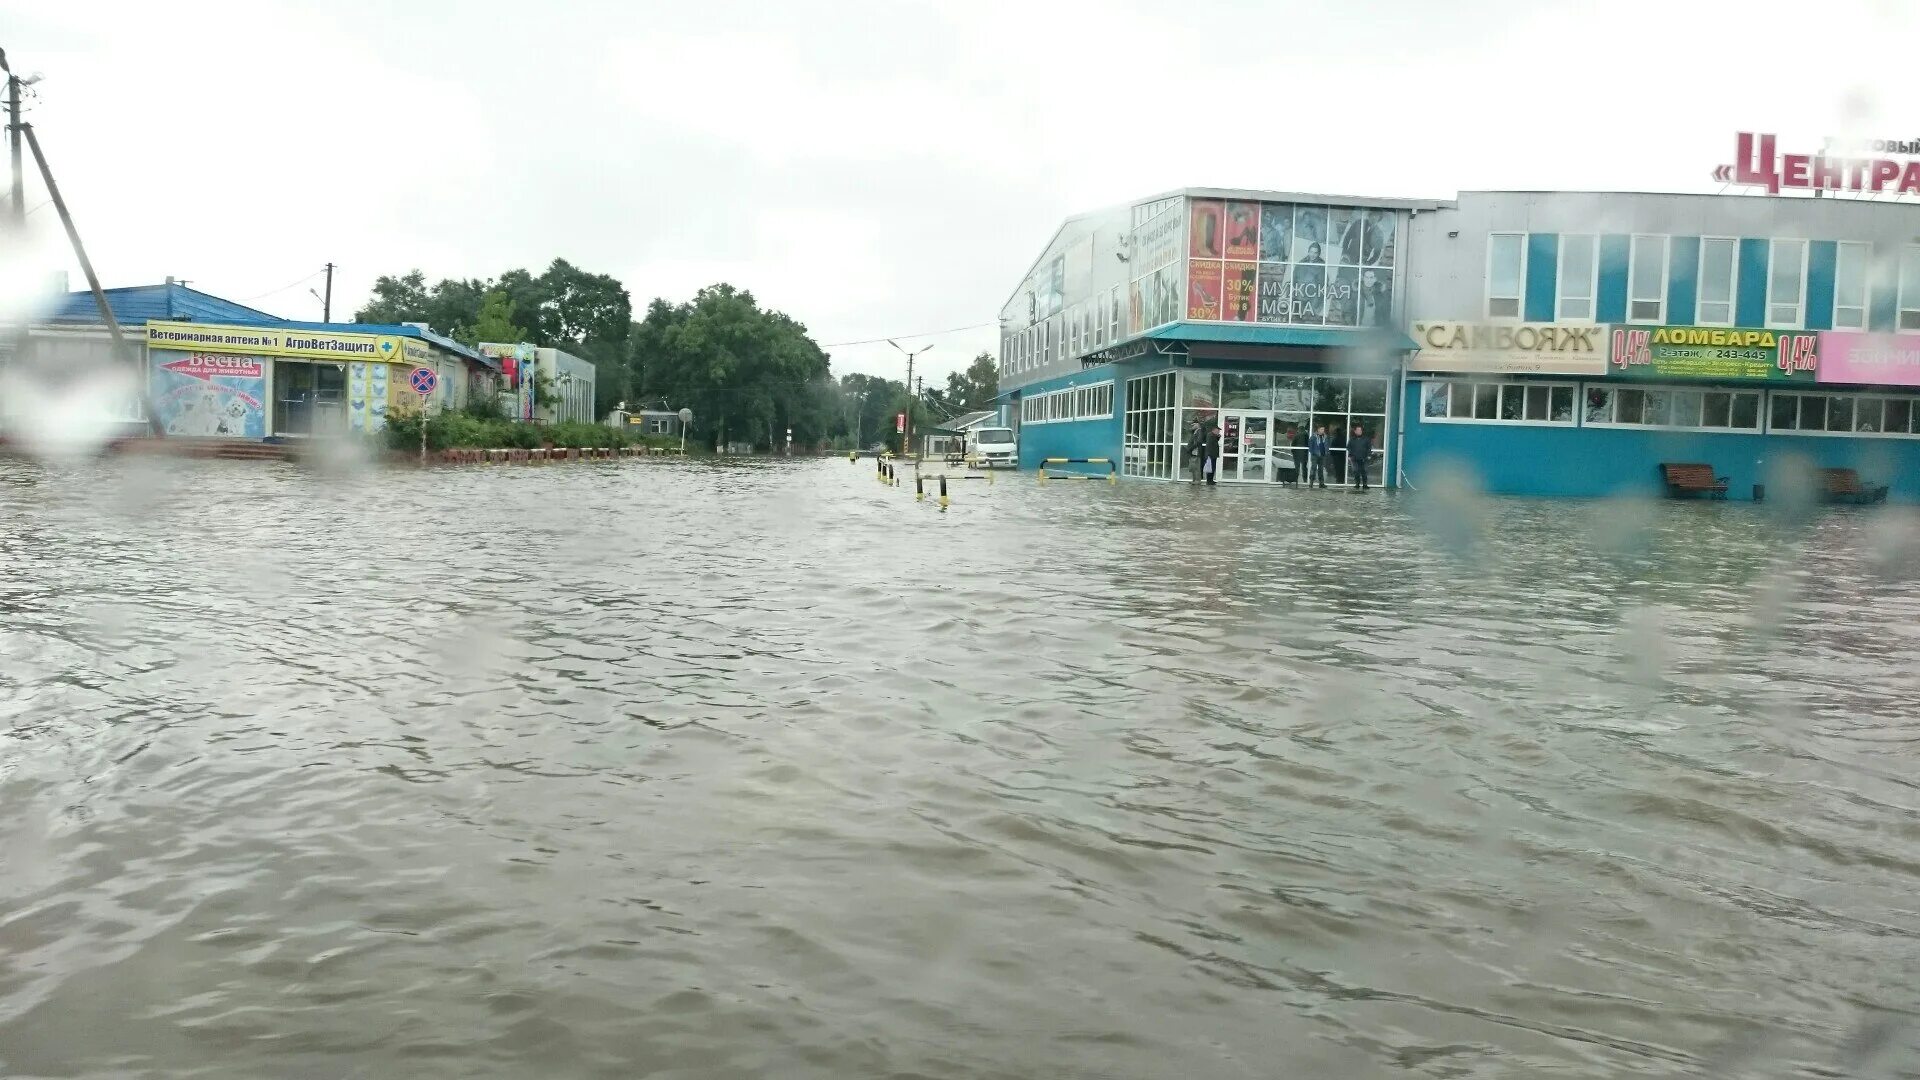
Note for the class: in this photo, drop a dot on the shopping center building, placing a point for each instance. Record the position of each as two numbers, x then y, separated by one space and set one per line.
1561 343
1271 314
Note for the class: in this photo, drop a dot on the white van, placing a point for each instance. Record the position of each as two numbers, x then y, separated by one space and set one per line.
992 447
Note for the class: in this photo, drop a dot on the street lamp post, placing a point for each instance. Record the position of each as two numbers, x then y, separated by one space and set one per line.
686 417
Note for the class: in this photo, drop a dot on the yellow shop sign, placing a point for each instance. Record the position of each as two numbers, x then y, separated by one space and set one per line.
266 341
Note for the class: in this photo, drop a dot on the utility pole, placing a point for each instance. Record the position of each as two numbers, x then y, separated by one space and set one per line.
906 426
17 212
128 357
326 305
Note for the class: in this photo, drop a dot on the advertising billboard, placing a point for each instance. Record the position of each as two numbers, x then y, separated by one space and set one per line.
1287 263
1155 253
1698 352
1510 348
1869 359
209 395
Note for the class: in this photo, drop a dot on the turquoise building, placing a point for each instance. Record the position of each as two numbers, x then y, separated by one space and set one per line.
1555 343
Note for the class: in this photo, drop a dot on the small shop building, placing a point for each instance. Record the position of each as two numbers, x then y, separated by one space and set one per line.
292 380
211 368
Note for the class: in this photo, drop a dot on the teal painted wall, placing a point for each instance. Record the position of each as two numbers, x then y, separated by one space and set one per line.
1612 289
1822 255
1513 459
1683 279
1074 438
1543 276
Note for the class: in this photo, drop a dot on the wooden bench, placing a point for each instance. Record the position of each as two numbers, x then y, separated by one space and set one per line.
1685 479
1843 486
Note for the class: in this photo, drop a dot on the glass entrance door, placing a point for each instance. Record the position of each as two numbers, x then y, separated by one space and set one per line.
1245 439
1255 434
309 399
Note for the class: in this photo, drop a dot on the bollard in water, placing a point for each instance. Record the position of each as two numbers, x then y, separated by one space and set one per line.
919 487
943 491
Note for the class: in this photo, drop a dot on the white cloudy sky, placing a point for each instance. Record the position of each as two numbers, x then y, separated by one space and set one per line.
872 167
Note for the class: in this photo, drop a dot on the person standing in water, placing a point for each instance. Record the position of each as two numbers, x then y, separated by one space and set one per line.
1360 455
1197 452
1317 455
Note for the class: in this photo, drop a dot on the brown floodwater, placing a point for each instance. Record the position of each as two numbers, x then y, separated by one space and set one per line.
764 770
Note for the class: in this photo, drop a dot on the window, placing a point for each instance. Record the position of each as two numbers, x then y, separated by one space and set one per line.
1093 402
1113 326
1662 407
1450 400
1099 322
1719 270
1579 266
1786 283
1647 280
656 427
1845 414
1060 405
1150 425
1506 270
1850 285
1909 318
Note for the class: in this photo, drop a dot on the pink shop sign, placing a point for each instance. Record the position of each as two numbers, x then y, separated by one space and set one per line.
1870 359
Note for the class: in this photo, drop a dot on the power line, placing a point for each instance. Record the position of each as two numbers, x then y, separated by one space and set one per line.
283 288
921 334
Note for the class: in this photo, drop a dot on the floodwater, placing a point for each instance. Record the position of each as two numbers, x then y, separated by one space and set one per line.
764 770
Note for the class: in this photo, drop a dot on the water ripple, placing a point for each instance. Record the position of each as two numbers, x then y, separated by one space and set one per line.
665 769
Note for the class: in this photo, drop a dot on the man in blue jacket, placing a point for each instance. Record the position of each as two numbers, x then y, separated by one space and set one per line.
1317 454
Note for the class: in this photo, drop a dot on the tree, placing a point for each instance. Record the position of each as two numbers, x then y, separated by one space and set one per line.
396 299
577 306
493 324
976 387
748 374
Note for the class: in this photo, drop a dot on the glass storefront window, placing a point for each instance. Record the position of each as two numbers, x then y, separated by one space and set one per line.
1293 393
1370 396
1152 442
1245 391
1200 391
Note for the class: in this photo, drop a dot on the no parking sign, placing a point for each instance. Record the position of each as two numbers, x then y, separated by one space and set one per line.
424 381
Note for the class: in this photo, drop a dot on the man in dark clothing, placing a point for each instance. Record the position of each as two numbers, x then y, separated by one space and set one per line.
1317 454
1360 454
1197 452
1297 439
1213 452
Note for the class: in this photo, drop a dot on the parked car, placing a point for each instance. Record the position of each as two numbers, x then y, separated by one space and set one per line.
993 447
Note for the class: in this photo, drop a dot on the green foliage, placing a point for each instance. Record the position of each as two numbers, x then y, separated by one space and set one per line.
460 429
484 406
749 374
575 433
564 307
975 387
493 324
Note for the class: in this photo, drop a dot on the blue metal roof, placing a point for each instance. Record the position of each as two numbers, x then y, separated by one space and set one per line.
139 304
1315 337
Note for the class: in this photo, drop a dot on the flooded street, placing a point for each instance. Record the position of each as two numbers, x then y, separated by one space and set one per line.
689 770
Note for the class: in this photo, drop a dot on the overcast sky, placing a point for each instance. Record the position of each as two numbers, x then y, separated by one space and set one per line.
872 168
